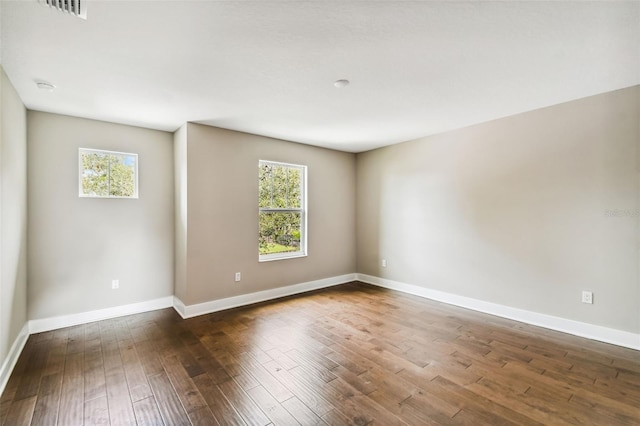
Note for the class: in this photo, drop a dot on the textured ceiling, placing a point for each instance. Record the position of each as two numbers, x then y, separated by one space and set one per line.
267 67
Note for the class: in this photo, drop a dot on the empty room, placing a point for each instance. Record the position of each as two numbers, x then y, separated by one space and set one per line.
319 212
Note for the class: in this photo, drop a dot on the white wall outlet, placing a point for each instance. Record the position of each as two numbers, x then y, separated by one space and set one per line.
587 297
384 263
238 276
115 284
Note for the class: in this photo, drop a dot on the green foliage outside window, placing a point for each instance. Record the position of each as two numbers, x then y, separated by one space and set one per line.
107 174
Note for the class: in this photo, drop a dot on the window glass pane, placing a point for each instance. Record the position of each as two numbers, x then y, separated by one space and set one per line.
264 179
293 188
122 175
95 174
279 232
279 200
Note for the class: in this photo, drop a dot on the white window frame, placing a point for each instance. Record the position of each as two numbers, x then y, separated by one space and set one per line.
303 215
81 194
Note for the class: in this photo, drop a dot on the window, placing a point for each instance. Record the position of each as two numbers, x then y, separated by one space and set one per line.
107 174
282 211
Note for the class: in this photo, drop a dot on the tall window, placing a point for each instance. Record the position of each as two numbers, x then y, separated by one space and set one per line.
282 210
108 174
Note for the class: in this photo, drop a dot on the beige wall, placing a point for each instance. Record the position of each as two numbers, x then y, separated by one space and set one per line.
514 211
222 214
13 215
180 212
78 245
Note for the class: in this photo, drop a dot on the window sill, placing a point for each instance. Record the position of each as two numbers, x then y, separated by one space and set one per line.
271 258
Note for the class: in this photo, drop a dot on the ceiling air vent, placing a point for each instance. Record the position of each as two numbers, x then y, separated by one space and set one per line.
72 7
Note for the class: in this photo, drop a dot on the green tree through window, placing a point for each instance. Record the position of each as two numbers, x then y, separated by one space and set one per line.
108 174
282 214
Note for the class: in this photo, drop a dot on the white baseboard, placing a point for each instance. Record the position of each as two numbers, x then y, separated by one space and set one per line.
12 356
577 328
46 324
188 311
179 306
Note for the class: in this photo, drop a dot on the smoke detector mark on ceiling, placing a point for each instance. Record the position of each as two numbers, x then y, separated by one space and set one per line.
44 85
72 7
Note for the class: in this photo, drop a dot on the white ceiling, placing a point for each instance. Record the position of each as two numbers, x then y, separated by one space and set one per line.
267 67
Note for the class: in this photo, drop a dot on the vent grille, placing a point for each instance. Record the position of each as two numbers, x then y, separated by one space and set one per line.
72 7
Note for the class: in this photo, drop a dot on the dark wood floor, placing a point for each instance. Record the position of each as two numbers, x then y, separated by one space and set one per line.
352 354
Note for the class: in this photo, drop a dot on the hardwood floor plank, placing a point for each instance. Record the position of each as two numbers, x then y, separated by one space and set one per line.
207 363
361 384
92 337
57 352
266 380
76 339
171 410
284 361
118 397
8 396
184 386
271 407
617 412
223 410
336 418
424 407
133 370
46 409
149 358
96 411
21 412
71 410
535 407
29 384
203 417
496 413
242 402
229 364
147 413
315 362
94 377
303 414
360 408
307 395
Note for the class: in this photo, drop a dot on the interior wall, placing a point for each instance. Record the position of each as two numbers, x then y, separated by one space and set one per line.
526 211
78 245
13 215
180 212
222 214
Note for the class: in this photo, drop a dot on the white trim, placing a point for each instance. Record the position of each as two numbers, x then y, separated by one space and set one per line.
53 323
577 328
12 356
189 311
179 306
281 256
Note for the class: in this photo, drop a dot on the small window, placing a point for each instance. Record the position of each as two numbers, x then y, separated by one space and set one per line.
108 174
282 211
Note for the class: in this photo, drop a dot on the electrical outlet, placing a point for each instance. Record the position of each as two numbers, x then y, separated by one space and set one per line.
587 297
384 263
238 276
115 284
